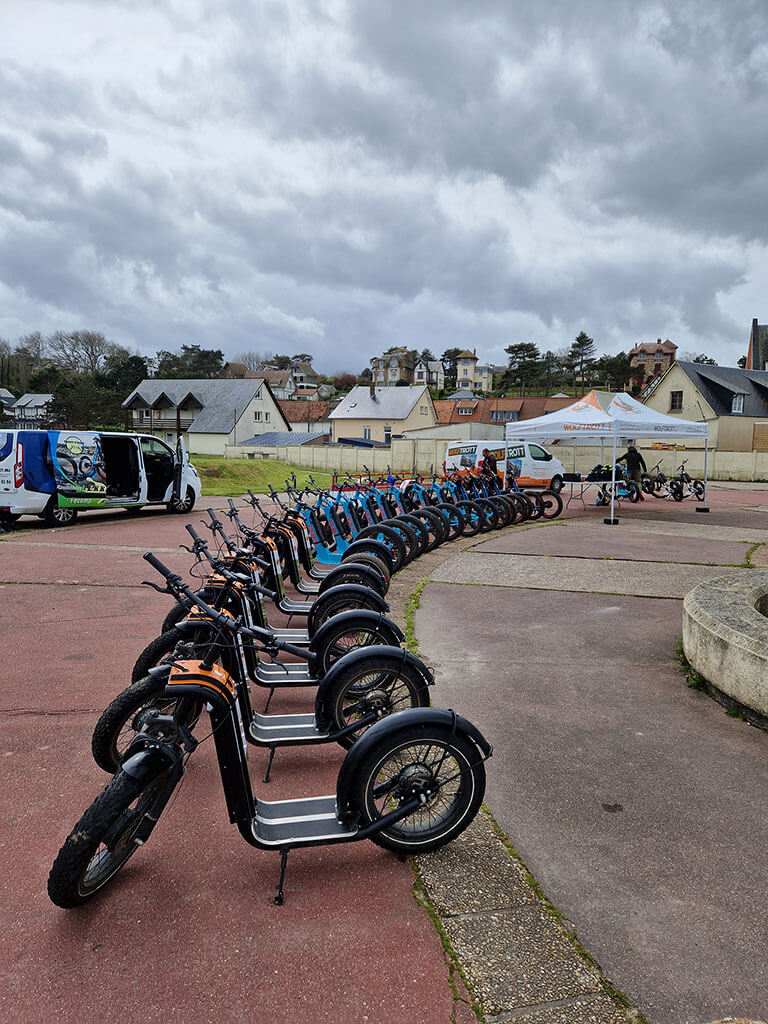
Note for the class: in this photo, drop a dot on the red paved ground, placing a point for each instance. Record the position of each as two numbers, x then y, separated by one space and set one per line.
189 930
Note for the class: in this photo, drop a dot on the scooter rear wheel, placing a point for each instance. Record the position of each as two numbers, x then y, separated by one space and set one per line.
430 763
381 685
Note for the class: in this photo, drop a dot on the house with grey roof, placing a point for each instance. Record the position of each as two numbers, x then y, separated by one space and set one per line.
7 402
207 414
379 413
431 372
30 410
733 401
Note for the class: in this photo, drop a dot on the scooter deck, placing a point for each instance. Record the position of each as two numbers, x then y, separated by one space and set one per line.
285 730
308 820
291 607
300 637
283 675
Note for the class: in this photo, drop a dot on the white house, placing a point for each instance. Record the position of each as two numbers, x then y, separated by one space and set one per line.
207 414
431 372
379 413
30 410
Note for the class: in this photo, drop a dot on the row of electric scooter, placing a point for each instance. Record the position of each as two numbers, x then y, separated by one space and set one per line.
413 776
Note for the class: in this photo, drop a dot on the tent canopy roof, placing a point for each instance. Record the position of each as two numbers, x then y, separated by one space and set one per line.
604 414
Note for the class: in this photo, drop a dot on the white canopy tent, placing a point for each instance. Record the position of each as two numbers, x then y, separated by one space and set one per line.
606 416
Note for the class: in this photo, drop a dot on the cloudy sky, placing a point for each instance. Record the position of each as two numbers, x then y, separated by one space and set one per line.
338 176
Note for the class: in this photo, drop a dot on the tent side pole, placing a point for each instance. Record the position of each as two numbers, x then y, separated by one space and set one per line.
704 507
613 520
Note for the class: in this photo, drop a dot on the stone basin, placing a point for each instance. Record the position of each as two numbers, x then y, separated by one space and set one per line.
725 636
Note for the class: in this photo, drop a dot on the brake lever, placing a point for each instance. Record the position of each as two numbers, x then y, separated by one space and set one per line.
156 586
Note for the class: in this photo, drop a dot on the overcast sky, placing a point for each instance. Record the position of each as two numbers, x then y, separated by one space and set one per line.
339 176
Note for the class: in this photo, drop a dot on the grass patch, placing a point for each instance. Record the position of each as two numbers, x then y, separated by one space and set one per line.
231 478
692 677
748 563
414 602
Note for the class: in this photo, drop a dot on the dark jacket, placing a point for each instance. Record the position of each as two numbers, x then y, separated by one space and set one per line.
635 463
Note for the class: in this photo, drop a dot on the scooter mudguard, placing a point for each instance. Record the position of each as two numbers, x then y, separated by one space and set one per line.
368 576
359 615
373 601
386 728
148 762
375 547
398 655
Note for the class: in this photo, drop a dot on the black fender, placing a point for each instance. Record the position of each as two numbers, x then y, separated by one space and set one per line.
368 577
363 654
385 731
375 601
146 758
375 547
362 615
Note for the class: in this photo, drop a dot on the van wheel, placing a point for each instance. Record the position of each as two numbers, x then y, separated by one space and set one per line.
556 484
56 516
182 505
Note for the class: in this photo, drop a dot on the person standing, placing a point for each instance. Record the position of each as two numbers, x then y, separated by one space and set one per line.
489 463
635 467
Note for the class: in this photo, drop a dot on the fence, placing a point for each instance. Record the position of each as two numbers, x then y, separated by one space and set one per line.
405 455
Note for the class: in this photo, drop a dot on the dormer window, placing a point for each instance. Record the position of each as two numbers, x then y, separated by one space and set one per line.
737 405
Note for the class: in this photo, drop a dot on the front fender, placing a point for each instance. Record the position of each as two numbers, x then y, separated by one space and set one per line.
385 732
362 654
145 760
361 615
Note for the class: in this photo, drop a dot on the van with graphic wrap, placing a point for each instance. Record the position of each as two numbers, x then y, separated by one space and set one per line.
54 474
527 463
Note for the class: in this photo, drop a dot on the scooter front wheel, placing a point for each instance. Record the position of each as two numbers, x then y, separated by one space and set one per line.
118 821
429 763
132 712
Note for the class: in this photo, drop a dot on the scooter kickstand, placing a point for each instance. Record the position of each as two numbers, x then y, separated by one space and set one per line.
269 762
269 699
283 864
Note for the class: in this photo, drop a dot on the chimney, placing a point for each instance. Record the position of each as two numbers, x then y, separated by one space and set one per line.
373 388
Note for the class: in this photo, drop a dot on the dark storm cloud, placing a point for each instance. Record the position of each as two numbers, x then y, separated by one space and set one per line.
357 175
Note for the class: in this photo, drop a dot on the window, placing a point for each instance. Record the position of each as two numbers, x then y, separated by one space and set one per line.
737 405
145 414
366 433
538 453
675 401
467 411
266 417
465 372
257 415
422 410
387 435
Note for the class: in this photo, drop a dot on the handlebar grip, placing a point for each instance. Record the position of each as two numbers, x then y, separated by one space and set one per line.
194 534
158 565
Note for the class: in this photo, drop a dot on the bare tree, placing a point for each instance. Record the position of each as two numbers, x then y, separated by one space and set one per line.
84 351
252 360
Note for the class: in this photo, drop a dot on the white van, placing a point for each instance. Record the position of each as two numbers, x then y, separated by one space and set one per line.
54 473
528 463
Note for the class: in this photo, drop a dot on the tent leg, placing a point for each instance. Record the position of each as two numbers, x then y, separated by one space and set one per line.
613 521
704 507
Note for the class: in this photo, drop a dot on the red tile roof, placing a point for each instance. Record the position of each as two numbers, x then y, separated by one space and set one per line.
303 412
